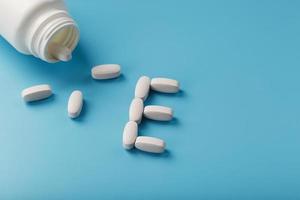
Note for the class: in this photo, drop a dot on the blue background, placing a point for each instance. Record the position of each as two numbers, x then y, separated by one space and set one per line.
236 133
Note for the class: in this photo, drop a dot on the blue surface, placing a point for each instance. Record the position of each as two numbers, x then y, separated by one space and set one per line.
237 129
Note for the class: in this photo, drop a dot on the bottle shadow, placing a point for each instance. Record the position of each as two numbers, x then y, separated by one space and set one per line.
74 72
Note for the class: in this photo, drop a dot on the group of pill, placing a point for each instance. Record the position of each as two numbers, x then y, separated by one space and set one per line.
153 112
136 110
75 103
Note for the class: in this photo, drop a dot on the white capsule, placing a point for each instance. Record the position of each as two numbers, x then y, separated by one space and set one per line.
136 110
165 85
150 144
37 92
160 113
107 71
142 87
129 134
75 104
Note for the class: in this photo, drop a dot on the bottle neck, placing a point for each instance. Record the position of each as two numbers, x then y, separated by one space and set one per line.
58 27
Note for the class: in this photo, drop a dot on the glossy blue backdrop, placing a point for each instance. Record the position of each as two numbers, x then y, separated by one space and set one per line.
237 129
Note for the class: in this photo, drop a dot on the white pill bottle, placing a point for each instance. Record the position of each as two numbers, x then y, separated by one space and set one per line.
42 28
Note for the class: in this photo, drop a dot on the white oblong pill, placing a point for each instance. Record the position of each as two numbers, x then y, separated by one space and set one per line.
37 92
107 71
142 87
130 134
160 113
136 110
165 85
75 104
150 144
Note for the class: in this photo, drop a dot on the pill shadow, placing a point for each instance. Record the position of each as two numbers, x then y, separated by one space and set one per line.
81 118
154 94
136 152
149 122
119 79
42 101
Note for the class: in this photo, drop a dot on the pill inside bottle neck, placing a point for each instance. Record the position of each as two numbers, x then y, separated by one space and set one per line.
60 52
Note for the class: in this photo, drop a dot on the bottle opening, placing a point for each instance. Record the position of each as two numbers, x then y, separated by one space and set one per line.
56 38
61 44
